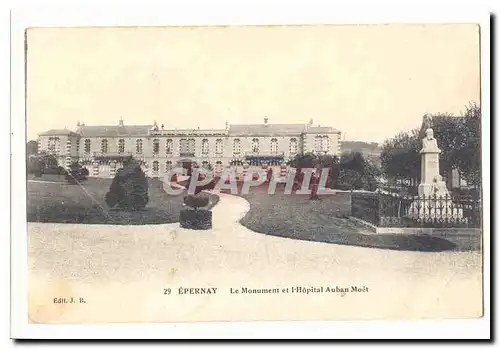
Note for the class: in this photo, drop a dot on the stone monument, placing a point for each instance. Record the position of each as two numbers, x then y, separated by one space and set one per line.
433 200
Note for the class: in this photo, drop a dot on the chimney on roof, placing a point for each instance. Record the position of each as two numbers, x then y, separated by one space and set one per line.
310 121
162 126
120 123
78 123
266 120
227 125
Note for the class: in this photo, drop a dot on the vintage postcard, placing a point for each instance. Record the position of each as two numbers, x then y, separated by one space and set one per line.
247 173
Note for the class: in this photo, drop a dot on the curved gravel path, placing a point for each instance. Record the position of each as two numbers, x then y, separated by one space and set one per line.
122 272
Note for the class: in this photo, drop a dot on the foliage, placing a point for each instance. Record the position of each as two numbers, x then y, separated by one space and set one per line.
459 139
196 201
468 154
31 148
355 172
42 163
351 171
129 189
400 158
34 165
76 173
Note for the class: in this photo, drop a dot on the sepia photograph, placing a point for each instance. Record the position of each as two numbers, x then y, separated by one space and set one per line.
179 174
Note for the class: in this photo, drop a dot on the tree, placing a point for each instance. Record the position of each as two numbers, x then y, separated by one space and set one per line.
350 171
459 139
129 188
31 148
400 158
468 154
355 172
76 173
34 165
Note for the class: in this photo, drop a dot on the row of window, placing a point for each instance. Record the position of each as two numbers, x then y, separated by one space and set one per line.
169 166
321 143
53 144
187 146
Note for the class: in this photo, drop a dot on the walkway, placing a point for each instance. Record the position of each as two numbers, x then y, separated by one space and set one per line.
122 272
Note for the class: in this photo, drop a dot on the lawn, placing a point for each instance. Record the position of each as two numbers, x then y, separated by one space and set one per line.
47 178
324 220
71 203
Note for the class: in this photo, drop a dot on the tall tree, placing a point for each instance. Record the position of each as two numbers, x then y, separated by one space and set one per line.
459 139
400 159
31 148
468 155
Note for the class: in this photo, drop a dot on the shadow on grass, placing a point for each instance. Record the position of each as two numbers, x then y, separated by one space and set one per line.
297 217
85 205
422 243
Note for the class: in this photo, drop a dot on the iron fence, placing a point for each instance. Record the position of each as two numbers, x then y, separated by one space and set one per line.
387 209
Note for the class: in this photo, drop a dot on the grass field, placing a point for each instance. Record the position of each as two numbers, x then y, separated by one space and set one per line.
70 203
325 220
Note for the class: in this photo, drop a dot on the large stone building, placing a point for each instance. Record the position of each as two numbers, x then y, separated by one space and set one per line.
102 149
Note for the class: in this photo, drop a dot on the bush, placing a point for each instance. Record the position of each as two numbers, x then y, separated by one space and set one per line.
196 201
75 174
196 219
34 165
129 189
62 171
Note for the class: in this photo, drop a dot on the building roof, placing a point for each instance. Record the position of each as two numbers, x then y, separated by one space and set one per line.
322 129
266 129
113 130
58 132
233 130
276 129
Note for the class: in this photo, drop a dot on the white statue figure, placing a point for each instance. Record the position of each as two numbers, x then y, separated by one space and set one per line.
439 186
429 143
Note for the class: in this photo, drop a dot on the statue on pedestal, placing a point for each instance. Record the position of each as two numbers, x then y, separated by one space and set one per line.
433 200
429 143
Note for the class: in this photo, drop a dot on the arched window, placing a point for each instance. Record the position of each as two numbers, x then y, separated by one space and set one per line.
54 144
138 146
218 166
183 146
156 167
169 146
87 146
325 144
293 146
156 146
168 165
121 145
204 146
57 145
255 145
218 146
321 143
236 146
104 146
191 146
274 146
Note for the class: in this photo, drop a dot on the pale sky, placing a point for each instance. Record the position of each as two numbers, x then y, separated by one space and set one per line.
368 81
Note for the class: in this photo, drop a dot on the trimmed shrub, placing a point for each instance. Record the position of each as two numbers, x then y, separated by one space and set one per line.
196 201
75 174
34 165
129 189
196 219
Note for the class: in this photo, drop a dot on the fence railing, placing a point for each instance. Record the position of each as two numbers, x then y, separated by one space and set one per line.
393 210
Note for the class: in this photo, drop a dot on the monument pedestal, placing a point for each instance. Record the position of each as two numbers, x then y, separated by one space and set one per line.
433 200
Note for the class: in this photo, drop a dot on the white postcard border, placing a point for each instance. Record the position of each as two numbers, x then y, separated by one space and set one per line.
92 15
